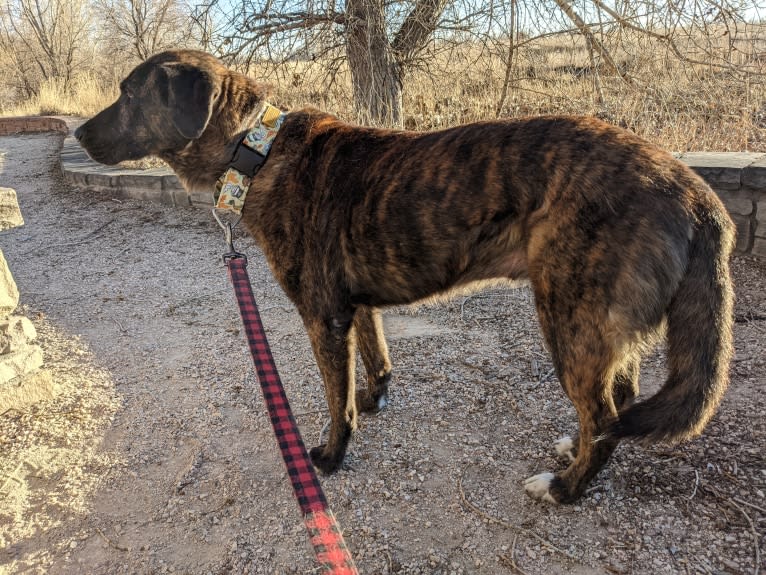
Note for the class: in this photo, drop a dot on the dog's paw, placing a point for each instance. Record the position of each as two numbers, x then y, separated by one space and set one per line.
324 463
538 486
565 448
365 403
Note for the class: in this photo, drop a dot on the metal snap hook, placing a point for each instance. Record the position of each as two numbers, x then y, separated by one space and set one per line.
228 231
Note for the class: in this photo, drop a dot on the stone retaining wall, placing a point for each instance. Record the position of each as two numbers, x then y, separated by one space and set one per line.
738 178
154 185
25 124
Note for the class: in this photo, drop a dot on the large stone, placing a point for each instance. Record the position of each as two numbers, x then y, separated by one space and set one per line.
26 390
15 332
759 242
9 293
743 232
10 214
738 202
721 170
19 363
754 175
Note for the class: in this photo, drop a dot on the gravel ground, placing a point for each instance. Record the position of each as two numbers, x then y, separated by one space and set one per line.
156 455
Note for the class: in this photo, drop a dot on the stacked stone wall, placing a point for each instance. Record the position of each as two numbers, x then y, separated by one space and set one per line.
22 381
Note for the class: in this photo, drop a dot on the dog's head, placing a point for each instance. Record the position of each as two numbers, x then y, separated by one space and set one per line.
164 103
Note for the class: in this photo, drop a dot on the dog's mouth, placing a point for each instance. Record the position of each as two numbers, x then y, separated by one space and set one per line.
108 155
100 157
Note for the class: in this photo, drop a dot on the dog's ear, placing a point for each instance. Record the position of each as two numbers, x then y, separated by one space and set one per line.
191 95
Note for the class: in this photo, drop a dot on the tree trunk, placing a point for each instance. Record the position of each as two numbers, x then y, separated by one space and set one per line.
375 72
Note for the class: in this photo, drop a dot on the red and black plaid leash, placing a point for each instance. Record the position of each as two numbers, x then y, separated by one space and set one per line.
324 531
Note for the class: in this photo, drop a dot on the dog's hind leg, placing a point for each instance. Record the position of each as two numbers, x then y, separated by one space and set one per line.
624 391
626 387
587 354
368 325
585 383
334 346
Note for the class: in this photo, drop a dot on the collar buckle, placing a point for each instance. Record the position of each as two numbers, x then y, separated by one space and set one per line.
246 160
249 155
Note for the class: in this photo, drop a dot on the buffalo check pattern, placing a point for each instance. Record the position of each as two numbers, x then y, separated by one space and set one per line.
326 536
328 543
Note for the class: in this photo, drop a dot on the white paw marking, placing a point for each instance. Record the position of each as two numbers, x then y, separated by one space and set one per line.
538 486
382 402
564 447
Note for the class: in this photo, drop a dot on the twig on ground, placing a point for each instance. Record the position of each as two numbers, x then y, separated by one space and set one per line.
748 317
743 502
515 567
696 484
12 477
82 240
313 412
110 542
283 308
547 375
547 544
192 299
756 537
324 429
226 503
17 410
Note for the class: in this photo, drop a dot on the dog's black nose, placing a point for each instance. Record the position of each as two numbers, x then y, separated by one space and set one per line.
78 133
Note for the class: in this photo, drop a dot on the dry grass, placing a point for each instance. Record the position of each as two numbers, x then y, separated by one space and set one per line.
681 106
87 95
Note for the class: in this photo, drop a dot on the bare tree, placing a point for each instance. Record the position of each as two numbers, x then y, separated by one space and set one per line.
380 40
144 27
44 38
500 47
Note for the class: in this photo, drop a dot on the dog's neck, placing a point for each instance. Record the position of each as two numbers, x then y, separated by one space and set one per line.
235 111
233 185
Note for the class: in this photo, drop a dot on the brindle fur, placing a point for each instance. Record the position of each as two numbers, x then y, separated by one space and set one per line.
616 237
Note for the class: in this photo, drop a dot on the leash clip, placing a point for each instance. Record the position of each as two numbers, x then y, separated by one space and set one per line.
228 231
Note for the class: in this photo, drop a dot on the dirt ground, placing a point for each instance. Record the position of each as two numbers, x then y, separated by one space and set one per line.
156 455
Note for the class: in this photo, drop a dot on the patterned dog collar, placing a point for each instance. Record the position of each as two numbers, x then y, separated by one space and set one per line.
231 188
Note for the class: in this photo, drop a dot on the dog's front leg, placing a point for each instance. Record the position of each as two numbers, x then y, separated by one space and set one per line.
368 325
334 347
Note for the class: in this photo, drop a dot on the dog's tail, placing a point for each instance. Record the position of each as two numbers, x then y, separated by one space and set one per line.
699 341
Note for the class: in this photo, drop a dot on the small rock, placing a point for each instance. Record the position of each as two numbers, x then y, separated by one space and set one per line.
9 293
10 214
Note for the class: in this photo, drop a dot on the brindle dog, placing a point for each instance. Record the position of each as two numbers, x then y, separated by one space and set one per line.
619 240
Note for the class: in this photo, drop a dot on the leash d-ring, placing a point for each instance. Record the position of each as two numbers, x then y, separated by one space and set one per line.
228 231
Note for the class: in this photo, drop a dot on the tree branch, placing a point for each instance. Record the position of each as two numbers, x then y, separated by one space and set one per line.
293 21
417 29
666 38
594 42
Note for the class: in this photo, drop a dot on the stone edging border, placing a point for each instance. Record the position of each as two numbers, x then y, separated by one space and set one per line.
738 178
27 124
